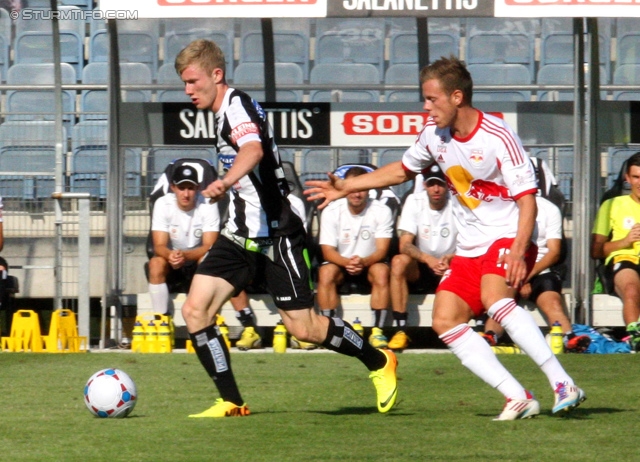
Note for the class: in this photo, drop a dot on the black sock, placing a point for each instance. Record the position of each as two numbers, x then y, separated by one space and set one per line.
379 317
400 318
245 316
214 356
341 338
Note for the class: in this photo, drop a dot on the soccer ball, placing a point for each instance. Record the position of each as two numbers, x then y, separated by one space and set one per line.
110 393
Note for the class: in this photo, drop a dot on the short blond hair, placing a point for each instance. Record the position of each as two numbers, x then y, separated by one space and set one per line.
452 74
203 53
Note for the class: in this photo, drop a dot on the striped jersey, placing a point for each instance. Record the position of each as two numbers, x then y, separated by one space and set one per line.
258 205
485 172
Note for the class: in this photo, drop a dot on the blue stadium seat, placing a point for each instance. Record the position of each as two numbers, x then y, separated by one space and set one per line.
492 74
351 41
557 43
34 43
28 146
286 73
403 46
403 74
501 41
180 32
560 74
84 4
39 105
316 162
627 74
290 46
5 42
94 103
617 157
627 41
167 75
387 156
137 43
346 74
89 147
160 157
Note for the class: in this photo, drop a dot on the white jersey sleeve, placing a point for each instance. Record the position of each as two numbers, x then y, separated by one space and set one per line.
549 221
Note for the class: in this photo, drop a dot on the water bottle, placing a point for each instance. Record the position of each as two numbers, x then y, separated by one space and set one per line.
151 337
556 338
164 338
280 338
137 344
224 331
510 350
357 327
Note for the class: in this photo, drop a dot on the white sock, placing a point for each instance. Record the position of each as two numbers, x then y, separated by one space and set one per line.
524 331
477 356
160 299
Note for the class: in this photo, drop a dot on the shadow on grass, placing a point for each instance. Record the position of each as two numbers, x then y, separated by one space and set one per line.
576 414
361 411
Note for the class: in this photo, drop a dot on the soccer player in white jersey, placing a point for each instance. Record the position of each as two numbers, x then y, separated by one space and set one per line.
427 242
493 186
355 235
263 238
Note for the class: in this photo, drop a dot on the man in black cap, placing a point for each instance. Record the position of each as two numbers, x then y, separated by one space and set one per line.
427 242
183 228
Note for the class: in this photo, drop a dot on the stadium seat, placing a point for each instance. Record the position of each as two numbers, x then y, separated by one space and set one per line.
167 75
403 46
180 32
28 148
627 74
560 74
286 73
39 105
137 43
387 156
494 74
346 74
5 42
291 42
617 158
501 41
89 159
34 43
342 40
403 74
316 162
94 103
557 44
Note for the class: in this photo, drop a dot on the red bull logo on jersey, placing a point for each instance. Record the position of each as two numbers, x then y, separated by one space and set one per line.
476 156
472 192
487 191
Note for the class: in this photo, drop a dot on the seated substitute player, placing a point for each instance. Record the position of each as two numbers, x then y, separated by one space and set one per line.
355 236
544 284
616 238
183 228
262 239
493 185
427 241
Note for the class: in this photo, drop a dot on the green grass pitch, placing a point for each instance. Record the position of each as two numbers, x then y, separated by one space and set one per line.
312 407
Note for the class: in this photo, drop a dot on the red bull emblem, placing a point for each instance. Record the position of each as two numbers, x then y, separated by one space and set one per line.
476 156
487 190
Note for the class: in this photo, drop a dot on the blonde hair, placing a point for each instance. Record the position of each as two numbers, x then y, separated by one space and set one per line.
203 53
452 75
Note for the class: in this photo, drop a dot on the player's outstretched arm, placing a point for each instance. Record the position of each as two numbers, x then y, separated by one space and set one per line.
335 188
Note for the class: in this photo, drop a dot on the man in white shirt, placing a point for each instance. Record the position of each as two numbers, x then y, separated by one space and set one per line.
493 185
427 242
355 235
183 227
